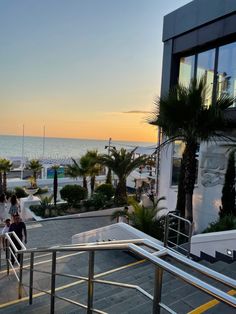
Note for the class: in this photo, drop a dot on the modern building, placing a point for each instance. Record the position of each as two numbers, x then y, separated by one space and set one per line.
200 40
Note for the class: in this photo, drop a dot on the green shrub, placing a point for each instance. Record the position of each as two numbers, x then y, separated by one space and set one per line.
46 209
9 193
228 222
20 192
106 189
73 194
97 201
88 204
41 191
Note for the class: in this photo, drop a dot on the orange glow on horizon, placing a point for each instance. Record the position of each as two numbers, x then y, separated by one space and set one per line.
125 127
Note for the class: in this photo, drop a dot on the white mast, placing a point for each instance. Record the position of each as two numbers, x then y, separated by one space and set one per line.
22 151
43 169
43 140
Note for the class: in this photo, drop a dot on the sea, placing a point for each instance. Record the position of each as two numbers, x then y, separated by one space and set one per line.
57 148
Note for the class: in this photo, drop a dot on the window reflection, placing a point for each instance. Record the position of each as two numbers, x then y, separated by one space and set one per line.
178 150
186 70
226 78
205 69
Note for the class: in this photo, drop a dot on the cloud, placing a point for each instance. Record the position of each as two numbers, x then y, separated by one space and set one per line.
137 111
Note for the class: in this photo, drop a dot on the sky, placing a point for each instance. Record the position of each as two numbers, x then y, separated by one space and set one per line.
81 68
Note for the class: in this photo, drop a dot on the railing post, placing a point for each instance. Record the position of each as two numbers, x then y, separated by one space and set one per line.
189 239
178 235
157 290
31 278
53 282
166 230
7 256
90 282
20 276
1 239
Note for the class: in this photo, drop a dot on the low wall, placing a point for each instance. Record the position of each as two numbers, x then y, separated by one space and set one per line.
209 243
118 231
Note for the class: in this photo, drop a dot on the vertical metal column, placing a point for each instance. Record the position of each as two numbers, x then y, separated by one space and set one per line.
178 233
31 278
53 282
157 291
7 256
20 277
90 283
1 239
166 230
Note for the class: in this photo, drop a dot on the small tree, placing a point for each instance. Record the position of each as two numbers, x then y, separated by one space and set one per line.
36 167
73 194
5 166
55 183
122 163
106 189
228 191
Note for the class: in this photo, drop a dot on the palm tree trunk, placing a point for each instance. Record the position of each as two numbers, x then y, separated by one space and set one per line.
190 176
4 182
92 183
181 195
85 185
1 185
109 178
55 187
120 193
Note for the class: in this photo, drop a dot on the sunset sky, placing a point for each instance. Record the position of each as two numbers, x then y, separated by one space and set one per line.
81 68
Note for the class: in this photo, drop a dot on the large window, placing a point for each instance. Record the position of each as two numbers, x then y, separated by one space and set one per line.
186 70
226 72
205 70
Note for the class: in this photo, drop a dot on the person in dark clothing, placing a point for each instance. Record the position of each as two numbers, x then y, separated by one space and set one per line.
19 228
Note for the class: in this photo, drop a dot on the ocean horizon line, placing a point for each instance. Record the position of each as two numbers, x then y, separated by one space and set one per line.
76 138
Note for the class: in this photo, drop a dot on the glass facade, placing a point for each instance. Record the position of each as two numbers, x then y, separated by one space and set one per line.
221 71
226 71
186 70
205 70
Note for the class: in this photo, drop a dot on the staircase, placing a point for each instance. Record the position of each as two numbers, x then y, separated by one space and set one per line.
120 281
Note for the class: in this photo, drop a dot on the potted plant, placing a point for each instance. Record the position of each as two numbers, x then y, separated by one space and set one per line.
32 189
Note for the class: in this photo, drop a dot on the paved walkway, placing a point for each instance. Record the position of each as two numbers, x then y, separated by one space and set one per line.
55 232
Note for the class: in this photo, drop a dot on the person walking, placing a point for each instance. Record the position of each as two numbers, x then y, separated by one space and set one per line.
19 228
2 207
14 206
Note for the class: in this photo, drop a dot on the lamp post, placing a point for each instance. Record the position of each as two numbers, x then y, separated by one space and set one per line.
109 174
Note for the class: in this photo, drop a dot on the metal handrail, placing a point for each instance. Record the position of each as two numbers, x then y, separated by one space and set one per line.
124 244
154 258
177 231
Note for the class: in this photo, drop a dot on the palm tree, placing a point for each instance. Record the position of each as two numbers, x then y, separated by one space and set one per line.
144 218
5 166
94 167
79 169
36 167
122 163
183 115
1 175
55 183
